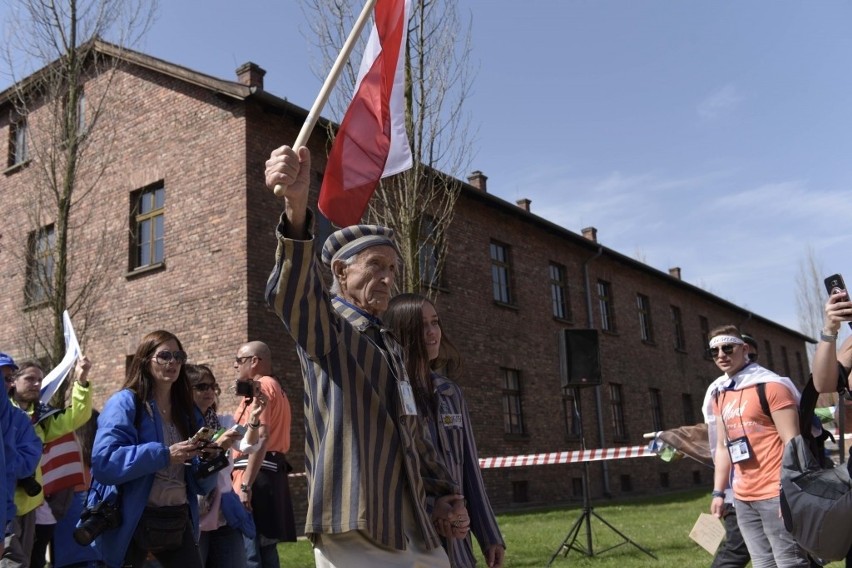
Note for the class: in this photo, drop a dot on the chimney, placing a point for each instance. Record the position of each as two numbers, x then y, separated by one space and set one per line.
524 204
477 179
591 233
251 75
675 271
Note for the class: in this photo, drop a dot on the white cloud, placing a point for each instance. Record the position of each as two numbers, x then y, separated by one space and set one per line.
622 204
723 100
743 244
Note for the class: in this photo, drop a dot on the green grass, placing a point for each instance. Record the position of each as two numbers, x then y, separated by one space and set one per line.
660 524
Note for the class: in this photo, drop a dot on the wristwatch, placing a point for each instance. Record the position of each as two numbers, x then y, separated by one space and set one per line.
827 336
245 487
716 493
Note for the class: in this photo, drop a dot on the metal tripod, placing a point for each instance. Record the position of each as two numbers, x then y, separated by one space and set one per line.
585 518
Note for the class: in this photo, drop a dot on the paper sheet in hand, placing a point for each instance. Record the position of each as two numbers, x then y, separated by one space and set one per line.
54 378
708 532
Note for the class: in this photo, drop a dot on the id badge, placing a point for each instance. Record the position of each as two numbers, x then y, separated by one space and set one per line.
452 420
406 396
739 450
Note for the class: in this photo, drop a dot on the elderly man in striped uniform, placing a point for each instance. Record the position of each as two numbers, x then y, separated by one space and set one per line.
371 469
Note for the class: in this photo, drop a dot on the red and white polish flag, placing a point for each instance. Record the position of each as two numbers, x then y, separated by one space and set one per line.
61 464
371 142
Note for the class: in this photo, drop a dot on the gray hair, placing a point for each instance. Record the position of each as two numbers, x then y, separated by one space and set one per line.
335 283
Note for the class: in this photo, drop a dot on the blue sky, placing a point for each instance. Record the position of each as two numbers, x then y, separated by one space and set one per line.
714 136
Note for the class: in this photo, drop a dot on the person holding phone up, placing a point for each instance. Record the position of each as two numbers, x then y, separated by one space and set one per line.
144 460
831 366
260 477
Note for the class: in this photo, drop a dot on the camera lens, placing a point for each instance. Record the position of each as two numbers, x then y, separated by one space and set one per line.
96 520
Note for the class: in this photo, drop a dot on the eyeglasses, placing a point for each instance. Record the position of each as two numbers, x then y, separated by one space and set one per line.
166 357
727 349
241 360
204 387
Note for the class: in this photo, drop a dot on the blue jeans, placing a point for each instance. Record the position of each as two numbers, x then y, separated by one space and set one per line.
222 548
769 543
733 553
260 556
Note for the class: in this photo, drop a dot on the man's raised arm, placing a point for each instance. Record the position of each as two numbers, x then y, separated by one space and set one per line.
292 171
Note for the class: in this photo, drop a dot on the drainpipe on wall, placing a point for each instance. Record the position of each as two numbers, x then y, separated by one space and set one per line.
598 403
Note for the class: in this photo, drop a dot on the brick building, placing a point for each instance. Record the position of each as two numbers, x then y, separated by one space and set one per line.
190 170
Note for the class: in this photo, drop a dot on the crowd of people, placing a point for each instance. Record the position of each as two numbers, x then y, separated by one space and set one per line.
153 483
165 479
392 467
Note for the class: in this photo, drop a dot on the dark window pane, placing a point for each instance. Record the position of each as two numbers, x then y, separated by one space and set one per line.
150 227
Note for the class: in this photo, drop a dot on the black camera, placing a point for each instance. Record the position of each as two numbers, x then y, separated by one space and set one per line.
245 388
30 486
211 465
95 520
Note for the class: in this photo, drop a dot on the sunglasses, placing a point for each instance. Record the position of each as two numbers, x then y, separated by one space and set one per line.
204 387
241 360
166 357
727 349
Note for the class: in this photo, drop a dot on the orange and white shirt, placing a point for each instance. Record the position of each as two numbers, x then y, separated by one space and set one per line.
758 477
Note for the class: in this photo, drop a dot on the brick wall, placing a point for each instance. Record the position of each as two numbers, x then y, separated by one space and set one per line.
209 152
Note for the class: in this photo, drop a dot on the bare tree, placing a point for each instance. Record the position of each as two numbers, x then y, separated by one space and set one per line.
810 296
418 203
63 123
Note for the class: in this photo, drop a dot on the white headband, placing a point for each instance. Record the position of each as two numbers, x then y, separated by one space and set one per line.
723 339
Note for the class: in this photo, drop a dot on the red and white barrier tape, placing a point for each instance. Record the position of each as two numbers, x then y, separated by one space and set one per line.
555 458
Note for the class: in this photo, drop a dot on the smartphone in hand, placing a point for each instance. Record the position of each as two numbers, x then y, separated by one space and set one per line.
203 435
218 433
834 284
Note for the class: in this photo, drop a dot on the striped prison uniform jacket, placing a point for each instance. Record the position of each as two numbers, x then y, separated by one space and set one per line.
452 434
361 453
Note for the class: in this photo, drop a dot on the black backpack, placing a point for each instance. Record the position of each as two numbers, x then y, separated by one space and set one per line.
816 496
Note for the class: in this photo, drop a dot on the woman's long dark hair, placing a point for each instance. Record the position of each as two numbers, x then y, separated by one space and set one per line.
140 381
404 317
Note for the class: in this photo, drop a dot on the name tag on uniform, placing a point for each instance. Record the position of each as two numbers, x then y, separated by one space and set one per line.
739 450
406 397
452 420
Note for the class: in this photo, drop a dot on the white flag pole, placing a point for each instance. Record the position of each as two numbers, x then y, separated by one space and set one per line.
330 81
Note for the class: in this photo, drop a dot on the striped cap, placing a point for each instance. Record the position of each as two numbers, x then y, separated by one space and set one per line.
351 240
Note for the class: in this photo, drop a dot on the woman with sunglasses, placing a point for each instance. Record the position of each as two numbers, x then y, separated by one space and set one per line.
224 519
414 321
145 462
